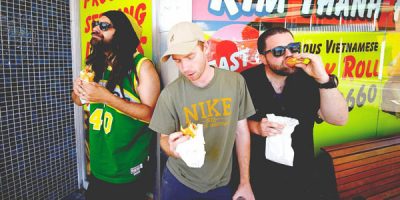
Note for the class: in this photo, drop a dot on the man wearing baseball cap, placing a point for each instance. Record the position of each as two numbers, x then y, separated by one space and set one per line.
217 99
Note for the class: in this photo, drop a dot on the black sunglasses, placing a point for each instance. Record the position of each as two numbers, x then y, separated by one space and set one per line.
104 26
280 50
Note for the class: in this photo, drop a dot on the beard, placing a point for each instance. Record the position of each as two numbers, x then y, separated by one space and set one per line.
99 44
282 70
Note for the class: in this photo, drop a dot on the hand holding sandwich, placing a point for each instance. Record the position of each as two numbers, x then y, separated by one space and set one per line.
173 140
179 137
314 68
94 92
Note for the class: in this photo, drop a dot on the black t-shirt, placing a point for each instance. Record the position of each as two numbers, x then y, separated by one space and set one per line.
299 99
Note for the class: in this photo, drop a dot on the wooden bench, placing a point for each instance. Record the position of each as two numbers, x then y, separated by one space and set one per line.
367 169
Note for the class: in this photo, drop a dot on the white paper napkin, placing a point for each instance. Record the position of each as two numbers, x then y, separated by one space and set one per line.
192 151
83 101
278 148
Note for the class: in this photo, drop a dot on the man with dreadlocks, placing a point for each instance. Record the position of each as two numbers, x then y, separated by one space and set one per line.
122 98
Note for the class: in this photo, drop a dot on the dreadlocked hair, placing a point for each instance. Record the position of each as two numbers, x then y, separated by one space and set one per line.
122 48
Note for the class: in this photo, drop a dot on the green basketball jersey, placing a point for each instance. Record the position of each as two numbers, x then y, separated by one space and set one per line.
119 144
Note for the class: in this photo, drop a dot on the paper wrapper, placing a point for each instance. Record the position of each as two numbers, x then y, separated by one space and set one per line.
192 151
87 75
278 148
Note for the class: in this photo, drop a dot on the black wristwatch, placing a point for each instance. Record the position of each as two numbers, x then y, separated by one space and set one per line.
332 83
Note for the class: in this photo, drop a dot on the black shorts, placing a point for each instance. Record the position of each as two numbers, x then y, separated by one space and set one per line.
101 190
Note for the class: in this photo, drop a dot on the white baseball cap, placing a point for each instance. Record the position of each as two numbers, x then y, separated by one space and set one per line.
182 39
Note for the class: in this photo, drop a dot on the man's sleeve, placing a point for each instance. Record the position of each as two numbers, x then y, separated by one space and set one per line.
162 120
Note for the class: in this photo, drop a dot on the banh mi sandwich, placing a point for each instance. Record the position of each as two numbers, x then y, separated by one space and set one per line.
292 61
87 74
190 130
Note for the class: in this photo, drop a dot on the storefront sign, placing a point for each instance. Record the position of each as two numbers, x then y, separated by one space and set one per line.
90 10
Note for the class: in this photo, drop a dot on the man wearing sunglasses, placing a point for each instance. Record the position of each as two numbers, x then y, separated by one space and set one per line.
304 92
122 98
